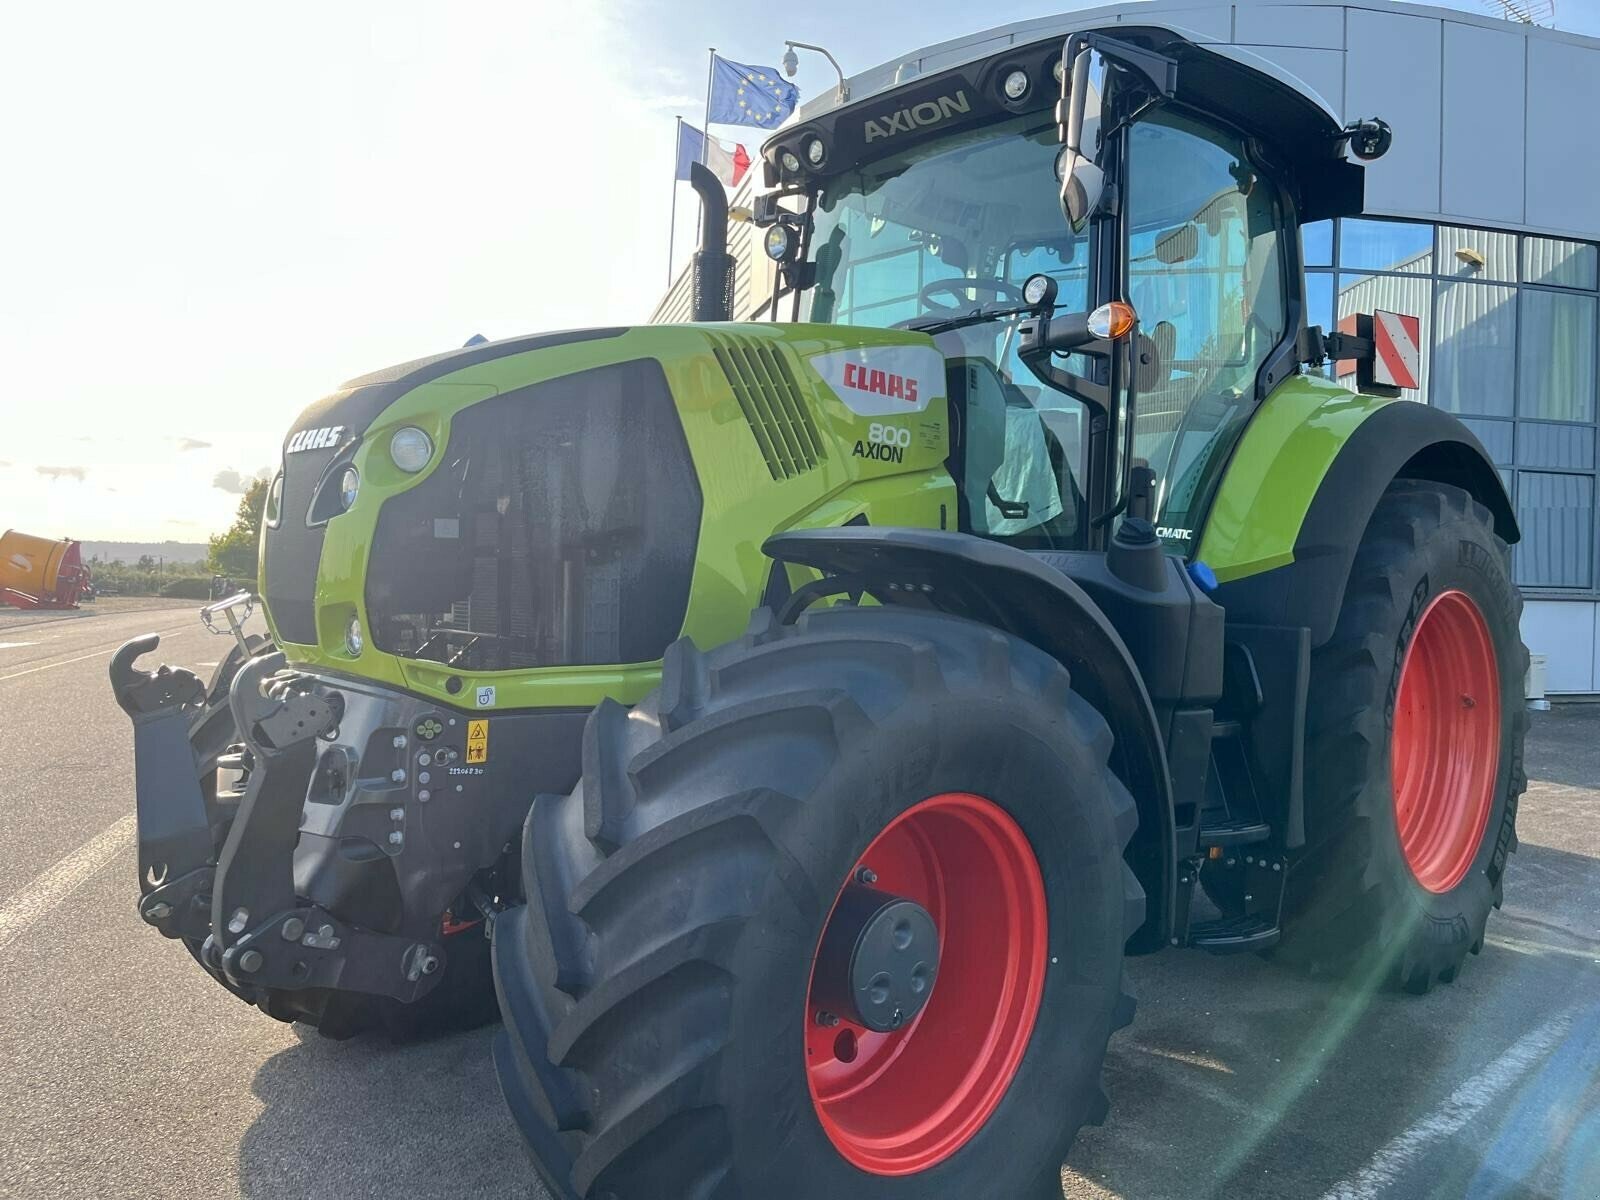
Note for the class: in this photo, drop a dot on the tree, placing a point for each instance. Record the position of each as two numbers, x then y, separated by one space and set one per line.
234 553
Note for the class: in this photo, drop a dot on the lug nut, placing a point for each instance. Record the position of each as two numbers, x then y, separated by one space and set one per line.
397 814
398 775
250 961
867 876
397 838
399 741
292 929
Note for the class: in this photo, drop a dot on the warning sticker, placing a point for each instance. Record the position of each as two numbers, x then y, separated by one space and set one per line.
477 741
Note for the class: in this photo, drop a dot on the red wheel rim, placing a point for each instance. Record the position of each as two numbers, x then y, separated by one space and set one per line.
1445 756
901 1102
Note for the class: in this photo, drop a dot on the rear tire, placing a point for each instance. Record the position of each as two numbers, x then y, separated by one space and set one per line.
655 987
1401 891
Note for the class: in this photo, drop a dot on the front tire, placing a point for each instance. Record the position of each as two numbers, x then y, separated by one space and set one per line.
1414 748
663 1032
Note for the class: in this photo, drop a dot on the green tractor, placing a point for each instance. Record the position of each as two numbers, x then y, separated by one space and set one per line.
813 714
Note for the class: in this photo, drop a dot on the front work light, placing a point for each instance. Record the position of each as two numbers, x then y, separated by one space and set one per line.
349 487
1015 85
816 152
352 637
1113 320
1039 291
411 449
777 242
790 162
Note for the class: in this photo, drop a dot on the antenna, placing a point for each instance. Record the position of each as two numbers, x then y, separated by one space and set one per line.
1527 12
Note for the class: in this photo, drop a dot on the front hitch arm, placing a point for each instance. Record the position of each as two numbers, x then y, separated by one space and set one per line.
174 825
262 934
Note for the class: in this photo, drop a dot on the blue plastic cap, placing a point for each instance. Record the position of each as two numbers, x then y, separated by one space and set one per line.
1204 577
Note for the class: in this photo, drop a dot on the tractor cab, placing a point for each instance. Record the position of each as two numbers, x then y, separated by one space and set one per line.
1111 268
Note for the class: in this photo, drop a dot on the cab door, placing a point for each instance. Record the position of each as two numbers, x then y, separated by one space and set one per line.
1207 262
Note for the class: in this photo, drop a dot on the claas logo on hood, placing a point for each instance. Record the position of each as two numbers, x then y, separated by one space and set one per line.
314 439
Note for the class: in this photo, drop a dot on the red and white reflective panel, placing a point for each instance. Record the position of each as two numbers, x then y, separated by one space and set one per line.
1397 342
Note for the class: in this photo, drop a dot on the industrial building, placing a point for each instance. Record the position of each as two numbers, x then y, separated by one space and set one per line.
1482 220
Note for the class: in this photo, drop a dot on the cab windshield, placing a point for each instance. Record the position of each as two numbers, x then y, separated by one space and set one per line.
958 225
951 227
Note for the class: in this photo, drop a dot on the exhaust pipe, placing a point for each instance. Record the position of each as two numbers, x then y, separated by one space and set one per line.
712 268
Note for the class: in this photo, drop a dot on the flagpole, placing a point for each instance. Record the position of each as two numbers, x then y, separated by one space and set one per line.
672 227
711 69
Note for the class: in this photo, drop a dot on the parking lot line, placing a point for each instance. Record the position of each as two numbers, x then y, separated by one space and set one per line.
1469 1099
61 663
42 894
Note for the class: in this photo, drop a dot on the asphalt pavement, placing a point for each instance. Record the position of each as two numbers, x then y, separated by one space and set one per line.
125 1072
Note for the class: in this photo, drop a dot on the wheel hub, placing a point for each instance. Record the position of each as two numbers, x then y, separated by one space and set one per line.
949 891
1445 748
878 959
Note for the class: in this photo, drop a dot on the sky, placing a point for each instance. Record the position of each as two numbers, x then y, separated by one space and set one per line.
211 215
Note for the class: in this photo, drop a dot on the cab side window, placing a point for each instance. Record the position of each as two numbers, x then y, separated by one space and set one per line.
1207 276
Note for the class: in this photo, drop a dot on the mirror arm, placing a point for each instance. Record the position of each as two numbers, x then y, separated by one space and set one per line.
1039 339
1159 71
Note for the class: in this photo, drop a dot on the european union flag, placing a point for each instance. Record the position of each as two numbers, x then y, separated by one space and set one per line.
742 95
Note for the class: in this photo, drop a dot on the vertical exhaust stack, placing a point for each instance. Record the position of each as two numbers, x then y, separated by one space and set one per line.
712 278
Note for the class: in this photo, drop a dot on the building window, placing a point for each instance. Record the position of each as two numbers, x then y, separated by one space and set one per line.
1477 254
1386 246
1475 349
1511 343
1557 356
1556 513
1556 263
1316 243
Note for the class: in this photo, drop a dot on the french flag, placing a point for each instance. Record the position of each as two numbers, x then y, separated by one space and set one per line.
728 165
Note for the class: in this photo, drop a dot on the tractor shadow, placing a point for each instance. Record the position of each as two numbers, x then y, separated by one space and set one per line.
367 1118
1240 1078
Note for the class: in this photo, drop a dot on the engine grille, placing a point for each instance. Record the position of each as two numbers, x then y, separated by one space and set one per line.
771 401
559 528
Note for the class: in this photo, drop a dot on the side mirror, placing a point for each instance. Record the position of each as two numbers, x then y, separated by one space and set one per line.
1083 86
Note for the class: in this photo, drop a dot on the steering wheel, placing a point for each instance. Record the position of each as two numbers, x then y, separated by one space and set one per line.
957 288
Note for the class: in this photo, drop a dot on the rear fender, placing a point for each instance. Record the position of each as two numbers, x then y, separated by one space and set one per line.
1304 482
1014 592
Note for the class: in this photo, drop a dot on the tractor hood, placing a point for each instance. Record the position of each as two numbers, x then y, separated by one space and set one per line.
574 490
317 448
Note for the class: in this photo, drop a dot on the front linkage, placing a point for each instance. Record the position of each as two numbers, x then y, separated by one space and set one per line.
216 868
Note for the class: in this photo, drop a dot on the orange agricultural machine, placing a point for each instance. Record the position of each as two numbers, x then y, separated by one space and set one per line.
38 572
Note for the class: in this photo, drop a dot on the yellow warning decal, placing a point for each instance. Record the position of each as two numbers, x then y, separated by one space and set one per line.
477 741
